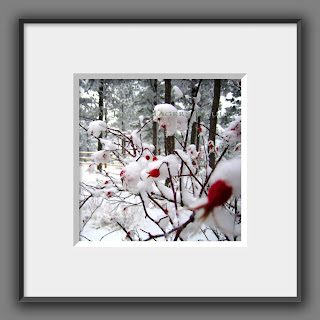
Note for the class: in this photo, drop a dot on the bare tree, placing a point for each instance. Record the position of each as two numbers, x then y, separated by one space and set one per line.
154 123
169 141
213 118
100 117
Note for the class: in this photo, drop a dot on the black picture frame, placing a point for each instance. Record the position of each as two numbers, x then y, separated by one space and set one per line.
22 297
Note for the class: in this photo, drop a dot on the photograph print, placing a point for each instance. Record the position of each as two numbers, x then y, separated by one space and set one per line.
159 160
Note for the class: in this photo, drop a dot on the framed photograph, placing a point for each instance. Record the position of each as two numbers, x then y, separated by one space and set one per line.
159 160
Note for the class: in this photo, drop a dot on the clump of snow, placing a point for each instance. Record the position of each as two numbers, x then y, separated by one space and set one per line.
97 127
130 176
166 191
102 156
145 186
141 120
96 193
91 168
224 221
108 193
136 138
230 172
173 164
177 92
233 132
192 151
210 146
158 169
202 130
182 155
166 115
182 121
148 146
108 145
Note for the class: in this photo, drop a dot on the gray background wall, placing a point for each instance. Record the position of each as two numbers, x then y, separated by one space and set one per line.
12 10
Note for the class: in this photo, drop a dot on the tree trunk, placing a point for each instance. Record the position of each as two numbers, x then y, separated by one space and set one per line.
169 141
193 133
100 92
213 118
194 128
198 136
123 142
154 123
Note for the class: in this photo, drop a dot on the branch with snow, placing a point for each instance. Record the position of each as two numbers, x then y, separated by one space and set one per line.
174 197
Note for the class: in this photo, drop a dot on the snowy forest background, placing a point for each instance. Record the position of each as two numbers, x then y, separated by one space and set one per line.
160 159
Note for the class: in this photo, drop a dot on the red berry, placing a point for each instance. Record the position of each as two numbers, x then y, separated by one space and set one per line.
109 193
194 163
121 173
106 182
155 173
218 194
166 210
163 126
148 157
210 146
154 159
200 129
